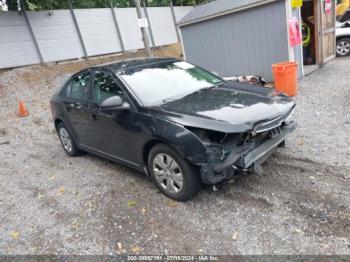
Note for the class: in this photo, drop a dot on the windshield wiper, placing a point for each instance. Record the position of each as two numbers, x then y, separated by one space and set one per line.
203 89
167 100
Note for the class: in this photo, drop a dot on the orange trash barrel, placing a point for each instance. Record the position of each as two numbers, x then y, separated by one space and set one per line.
285 75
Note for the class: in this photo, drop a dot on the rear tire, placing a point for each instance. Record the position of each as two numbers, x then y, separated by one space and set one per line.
173 175
67 142
343 47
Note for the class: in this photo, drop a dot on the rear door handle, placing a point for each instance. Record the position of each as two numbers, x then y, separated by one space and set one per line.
94 108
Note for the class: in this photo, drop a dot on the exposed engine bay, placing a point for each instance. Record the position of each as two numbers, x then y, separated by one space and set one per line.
229 154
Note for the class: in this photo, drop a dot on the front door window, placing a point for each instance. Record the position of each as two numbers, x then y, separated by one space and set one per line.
104 86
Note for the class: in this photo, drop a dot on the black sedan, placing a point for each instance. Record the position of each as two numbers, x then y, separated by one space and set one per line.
176 122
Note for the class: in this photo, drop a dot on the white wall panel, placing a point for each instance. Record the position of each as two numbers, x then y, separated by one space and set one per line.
58 38
163 27
98 31
16 44
129 28
56 35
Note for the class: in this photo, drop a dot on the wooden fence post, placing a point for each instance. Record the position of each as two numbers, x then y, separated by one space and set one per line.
174 19
77 28
149 24
31 32
117 26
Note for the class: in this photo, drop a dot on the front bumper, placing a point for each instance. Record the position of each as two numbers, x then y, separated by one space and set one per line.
262 152
245 158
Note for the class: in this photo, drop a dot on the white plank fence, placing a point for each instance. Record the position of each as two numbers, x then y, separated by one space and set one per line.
58 39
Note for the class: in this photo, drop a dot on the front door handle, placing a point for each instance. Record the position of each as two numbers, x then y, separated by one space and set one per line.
94 117
94 108
69 106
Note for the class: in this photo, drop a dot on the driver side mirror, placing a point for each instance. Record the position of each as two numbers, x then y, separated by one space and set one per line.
114 103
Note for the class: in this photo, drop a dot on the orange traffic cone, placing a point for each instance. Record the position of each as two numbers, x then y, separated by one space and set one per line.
22 110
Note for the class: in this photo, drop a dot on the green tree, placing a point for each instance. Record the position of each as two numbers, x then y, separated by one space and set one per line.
64 4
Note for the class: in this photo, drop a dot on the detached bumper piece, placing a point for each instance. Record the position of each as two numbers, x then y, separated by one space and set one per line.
253 156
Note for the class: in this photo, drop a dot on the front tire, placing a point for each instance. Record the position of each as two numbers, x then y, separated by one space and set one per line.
67 141
343 47
173 175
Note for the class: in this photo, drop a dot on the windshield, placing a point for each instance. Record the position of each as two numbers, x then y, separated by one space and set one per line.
163 82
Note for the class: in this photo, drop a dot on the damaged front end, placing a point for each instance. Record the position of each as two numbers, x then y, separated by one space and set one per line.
229 154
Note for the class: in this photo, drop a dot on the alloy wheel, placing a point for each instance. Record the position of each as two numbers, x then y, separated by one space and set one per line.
66 139
168 173
343 47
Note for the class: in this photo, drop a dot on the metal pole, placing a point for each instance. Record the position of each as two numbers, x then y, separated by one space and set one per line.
77 28
143 30
174 19
149 24
117 26
31 32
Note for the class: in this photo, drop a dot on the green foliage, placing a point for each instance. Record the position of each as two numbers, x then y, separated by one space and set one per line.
64 4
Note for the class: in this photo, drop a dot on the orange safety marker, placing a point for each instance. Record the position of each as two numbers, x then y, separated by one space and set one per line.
22 110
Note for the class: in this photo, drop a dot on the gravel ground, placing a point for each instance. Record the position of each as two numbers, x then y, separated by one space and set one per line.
53 204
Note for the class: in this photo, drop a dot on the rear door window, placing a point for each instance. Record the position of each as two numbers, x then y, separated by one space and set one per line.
78 87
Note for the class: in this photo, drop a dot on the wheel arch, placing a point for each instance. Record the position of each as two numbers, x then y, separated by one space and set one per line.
152 143
342 37
178 138
148 147
57 122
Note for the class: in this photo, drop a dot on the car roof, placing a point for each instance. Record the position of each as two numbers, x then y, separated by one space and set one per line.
119 66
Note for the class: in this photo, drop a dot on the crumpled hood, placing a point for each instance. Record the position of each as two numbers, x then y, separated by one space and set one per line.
230 108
